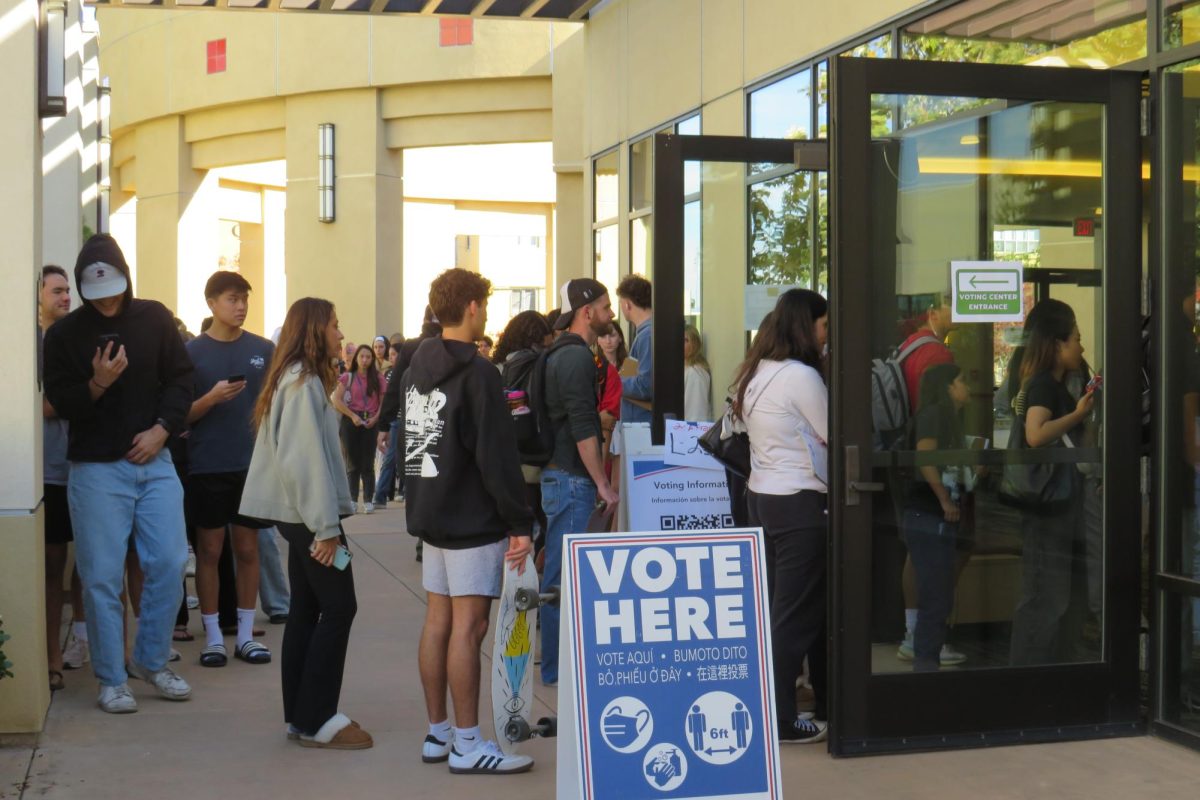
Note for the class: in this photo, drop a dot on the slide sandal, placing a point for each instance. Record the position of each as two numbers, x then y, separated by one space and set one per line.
214 655
253 653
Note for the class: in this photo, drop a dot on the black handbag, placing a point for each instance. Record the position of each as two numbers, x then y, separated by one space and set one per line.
728 445
1041 488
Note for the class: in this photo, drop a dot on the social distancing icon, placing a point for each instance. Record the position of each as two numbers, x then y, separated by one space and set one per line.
719 728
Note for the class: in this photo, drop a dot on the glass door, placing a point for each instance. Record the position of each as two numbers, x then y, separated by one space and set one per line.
985 513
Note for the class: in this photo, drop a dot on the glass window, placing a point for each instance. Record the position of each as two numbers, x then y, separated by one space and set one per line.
1179 649
1060 33
783 110
641 174
879 47
1181 22
691 169
692 304
641 240
781 242
608 262
1008 552
822 81
604 187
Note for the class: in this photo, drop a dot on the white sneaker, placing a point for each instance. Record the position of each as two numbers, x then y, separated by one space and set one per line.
370 508
76 655
190 570
486 759
435 751
193 602
117 699
950 657
169 685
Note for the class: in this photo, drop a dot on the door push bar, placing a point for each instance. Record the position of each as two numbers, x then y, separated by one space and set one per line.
854 486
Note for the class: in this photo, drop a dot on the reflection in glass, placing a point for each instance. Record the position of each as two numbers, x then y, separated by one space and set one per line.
640 241
691 169
604 187
783 110
781 242
1181 22
971 572
692 304
1180 660
608 266
641 174
1095 34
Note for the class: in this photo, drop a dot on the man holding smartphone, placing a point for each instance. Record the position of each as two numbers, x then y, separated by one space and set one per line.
117 371
230 366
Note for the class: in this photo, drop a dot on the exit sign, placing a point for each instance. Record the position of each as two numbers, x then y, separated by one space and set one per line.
1085 226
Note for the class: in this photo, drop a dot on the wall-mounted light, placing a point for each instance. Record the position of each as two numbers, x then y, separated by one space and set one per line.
52 52
325 204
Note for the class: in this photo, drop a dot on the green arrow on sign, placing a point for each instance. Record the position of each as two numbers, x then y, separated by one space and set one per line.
976 283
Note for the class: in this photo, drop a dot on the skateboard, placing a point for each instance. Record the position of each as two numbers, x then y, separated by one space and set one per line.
512 660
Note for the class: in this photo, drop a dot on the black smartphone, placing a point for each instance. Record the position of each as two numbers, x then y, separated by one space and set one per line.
236 378
115 339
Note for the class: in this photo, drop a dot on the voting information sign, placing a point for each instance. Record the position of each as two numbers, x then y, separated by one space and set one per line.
670 691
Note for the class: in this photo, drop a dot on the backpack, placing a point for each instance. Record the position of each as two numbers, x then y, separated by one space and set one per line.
890 408
535 432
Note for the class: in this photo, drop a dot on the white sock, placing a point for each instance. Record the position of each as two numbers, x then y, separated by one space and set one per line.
440 730
212 629
245 625
467 739
910 621
79 629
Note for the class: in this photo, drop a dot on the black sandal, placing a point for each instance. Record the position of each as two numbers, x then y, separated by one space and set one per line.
214 655
56 680
253 653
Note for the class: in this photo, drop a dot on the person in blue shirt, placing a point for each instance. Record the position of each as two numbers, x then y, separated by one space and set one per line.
635 295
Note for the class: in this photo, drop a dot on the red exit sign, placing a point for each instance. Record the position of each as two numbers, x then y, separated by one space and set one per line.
1085 226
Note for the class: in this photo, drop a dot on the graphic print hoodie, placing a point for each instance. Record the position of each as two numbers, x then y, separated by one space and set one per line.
463 483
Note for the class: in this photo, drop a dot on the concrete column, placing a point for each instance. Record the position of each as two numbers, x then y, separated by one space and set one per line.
166 186
572 234
356 261
25 697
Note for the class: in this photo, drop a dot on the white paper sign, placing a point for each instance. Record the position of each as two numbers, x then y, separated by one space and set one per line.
683 445
760 301
987 291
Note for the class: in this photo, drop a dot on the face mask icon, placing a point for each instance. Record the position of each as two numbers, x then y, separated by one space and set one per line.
620 729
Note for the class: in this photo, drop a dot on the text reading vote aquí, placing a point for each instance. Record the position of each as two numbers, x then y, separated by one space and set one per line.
690 581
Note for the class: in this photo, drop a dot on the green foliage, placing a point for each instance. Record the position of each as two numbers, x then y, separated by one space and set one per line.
781 244
5 664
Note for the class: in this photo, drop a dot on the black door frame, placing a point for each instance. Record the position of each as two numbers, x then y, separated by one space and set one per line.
670 153
873 713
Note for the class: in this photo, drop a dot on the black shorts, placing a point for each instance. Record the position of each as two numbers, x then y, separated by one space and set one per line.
58 515
213 500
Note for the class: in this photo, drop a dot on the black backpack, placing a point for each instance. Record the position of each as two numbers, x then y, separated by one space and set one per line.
526 372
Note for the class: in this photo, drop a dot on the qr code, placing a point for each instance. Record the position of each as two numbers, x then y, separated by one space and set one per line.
695 522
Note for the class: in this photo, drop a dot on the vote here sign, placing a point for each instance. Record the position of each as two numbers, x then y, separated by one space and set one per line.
670 682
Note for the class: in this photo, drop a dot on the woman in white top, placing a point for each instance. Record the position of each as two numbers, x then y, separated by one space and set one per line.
697 378
782 399
297 480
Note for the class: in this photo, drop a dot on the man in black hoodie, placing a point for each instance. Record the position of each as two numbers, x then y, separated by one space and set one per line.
117 370
466 501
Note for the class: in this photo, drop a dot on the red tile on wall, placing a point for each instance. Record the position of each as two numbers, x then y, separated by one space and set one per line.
216 56
456 32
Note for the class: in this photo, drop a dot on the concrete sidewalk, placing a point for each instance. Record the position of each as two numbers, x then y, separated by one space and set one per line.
228 741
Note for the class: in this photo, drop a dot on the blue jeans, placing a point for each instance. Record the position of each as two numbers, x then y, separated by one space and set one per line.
568 501
387 472
110 502
272 585
933 545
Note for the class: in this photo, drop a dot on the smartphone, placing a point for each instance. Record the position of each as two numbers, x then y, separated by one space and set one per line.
341 557
236 378
115 339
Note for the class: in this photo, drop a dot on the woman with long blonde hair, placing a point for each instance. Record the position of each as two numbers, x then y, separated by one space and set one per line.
297 481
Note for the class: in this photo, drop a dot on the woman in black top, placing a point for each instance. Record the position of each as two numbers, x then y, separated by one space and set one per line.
1050 417
932 509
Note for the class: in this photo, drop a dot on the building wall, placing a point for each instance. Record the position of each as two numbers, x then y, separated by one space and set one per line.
387 86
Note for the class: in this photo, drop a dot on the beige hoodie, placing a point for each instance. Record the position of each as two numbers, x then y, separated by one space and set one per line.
297 473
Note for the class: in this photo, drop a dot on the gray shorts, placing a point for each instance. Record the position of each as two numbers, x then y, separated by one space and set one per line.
455 573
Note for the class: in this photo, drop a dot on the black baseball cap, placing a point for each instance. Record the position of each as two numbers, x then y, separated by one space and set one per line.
576 294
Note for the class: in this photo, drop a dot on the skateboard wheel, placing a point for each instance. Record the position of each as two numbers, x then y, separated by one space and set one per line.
525 599
548 727
517 730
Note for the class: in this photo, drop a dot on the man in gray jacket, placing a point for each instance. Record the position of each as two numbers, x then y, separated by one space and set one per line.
575 477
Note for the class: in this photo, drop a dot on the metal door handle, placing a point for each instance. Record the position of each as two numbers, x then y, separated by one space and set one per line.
853 484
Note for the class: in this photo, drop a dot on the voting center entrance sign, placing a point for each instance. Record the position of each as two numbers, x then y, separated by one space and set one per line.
665 654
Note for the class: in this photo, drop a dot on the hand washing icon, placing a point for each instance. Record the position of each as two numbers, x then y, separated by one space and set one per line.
626 724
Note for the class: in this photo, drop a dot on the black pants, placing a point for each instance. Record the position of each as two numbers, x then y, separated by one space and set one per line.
1047 569
796 532
933 544
227 586
316 635
358 445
